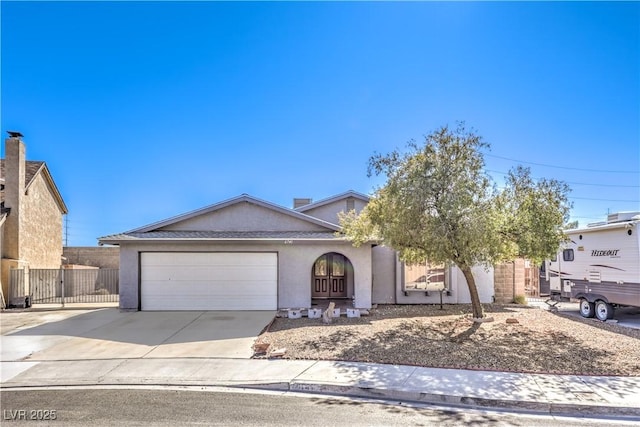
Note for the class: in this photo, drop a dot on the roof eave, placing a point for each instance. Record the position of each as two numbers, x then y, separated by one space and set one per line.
54 189
332 199
117 241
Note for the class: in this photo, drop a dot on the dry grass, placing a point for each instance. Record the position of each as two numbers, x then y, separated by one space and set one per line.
424 335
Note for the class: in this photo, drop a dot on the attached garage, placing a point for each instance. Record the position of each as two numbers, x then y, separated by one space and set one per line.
209 280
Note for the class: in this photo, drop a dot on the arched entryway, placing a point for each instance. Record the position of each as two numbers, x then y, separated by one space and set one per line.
332 277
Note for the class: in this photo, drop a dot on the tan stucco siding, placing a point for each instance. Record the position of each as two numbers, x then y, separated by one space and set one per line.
244 217
41 232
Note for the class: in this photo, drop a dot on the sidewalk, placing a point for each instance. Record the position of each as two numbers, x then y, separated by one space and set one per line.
551 394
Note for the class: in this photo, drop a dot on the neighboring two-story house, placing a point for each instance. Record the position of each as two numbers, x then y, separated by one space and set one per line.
31 213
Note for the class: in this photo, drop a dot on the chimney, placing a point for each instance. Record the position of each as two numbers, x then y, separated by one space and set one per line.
14 187
299 202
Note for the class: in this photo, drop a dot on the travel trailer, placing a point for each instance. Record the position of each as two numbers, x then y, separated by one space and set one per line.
599 266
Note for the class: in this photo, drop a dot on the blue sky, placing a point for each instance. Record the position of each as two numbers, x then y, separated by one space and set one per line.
146 110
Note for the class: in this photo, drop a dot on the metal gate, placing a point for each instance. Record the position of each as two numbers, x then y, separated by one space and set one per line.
46 286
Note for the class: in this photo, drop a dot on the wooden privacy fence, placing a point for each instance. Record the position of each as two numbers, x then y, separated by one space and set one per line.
46 286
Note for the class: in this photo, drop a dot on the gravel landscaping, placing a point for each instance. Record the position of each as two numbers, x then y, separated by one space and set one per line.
520 339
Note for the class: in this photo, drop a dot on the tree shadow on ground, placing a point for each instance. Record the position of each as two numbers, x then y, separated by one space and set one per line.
422 415
460 344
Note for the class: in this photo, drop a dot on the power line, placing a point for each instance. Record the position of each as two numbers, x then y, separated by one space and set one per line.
605 200
559 167
578 183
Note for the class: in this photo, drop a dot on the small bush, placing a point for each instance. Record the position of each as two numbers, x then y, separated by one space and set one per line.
520 299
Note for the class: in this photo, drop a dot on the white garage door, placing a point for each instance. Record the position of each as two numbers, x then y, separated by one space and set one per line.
209 281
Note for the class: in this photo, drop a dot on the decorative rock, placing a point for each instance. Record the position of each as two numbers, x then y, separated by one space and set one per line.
483 320
329 313
261 348
278 353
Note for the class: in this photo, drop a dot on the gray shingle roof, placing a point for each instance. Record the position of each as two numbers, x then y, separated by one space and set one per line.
31 168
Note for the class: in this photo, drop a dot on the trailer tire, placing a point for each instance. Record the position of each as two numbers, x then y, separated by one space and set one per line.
604 310
587 309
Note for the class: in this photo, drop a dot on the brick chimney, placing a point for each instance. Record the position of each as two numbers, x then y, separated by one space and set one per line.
14 188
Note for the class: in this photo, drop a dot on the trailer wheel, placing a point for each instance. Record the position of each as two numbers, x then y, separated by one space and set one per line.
587 309
604 311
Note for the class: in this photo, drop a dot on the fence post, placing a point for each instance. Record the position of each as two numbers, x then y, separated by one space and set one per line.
62 285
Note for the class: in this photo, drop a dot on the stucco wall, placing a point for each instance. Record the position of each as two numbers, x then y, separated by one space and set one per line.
96 256
329 212
41 240
295 262
247 217
384 275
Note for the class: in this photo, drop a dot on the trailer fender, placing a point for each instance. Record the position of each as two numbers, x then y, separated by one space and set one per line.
591 297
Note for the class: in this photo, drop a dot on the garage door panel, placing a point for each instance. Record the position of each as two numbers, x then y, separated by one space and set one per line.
223 273
203 287
209 281
198 303
208 258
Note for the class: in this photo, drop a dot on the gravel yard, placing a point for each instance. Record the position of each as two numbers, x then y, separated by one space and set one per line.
424 335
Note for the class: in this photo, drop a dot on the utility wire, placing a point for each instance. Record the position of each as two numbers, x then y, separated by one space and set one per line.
577 183
559 167
605 200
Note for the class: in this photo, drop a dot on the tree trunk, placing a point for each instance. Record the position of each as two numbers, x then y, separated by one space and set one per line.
473 291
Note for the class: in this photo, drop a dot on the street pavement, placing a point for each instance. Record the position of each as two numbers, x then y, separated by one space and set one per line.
107 347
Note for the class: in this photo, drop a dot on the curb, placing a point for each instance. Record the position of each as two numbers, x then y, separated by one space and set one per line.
629 413
464 401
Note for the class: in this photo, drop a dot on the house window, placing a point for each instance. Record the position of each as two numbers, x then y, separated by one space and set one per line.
320 267
567 255
337 265
424 277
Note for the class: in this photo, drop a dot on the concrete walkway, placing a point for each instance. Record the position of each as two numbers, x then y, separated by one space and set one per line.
34 354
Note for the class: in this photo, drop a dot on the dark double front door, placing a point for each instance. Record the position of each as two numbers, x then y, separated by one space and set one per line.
329 277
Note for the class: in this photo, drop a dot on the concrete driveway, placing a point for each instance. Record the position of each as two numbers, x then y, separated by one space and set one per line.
111 334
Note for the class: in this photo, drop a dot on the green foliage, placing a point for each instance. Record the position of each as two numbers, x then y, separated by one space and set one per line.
571 225
520 299
530 215
439 204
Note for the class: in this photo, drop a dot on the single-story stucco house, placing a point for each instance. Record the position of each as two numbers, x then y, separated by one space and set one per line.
250 254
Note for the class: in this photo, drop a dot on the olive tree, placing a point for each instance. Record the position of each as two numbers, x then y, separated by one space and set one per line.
439 204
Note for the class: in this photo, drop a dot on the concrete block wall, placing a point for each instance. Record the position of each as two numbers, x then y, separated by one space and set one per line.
98 256
506 275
